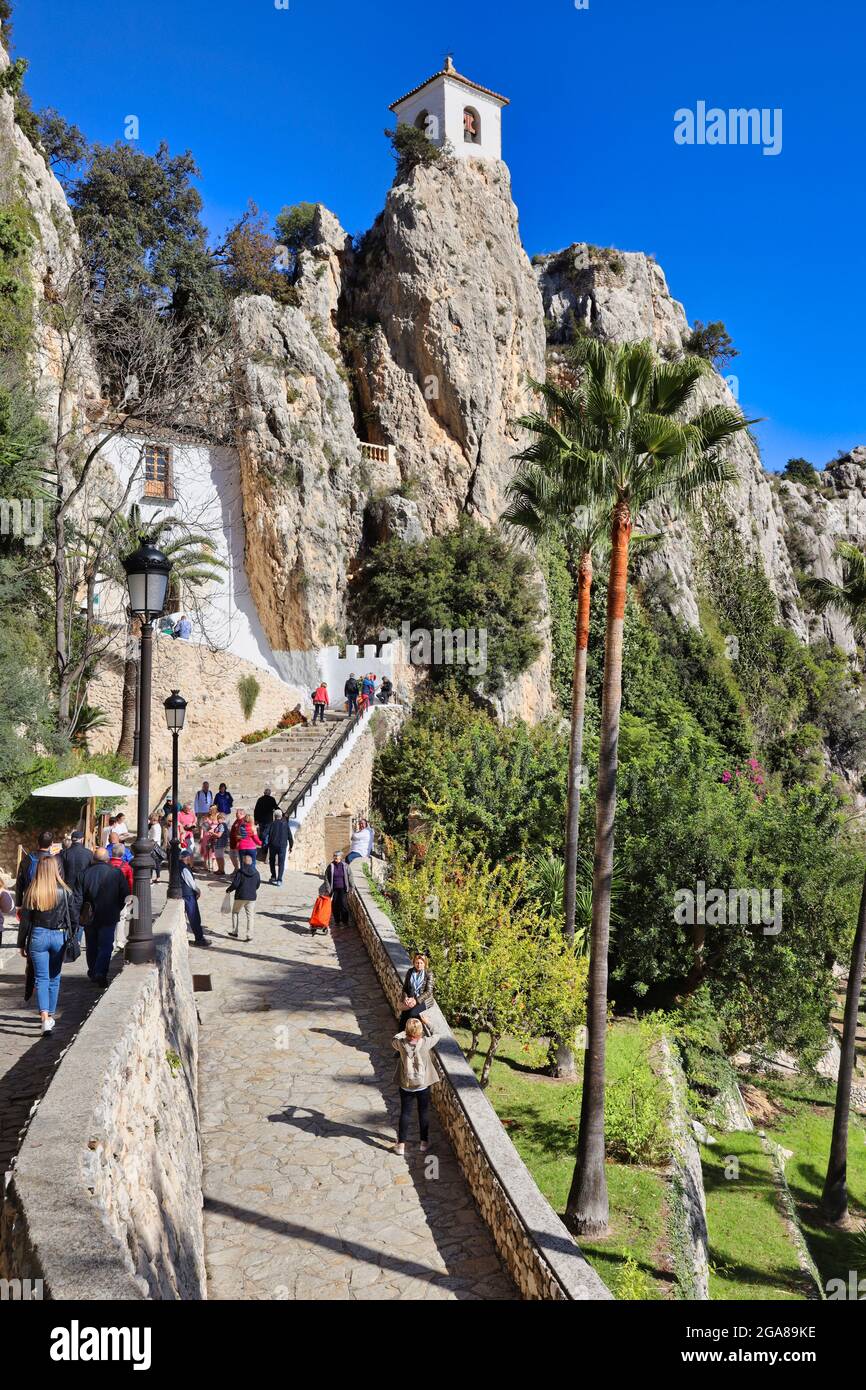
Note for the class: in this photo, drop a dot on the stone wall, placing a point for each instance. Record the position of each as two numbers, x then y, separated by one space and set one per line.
208 681
344 789
105 1198
686 1200
535 1246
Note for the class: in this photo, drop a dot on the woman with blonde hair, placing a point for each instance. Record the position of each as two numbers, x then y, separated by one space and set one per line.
415 1074
44 933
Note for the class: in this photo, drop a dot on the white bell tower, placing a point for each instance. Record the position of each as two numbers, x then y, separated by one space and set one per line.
450 107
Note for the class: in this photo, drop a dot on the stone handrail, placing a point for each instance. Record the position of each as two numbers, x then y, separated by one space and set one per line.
536 1248
105 1199
377 453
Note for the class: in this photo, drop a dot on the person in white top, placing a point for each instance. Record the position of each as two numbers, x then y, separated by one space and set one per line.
361 842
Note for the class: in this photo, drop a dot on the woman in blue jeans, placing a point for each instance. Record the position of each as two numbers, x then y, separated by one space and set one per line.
46 922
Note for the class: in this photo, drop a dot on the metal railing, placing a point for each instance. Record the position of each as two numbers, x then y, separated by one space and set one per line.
349 724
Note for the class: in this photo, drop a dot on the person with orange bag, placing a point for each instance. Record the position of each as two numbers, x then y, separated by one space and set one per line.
337 887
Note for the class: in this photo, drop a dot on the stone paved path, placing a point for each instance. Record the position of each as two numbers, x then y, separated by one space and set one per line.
303 1197
27 1060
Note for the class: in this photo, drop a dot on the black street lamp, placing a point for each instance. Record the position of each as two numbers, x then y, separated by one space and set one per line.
147 572
175 713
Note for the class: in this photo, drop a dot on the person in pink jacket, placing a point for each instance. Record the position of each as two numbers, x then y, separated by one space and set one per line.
248 839
320 702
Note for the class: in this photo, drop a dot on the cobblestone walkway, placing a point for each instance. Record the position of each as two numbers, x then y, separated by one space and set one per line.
303 1197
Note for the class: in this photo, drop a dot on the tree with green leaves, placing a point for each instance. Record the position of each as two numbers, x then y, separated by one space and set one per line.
626 446
249 259
139 219
713 342
65 147
295 230
468 585
849 599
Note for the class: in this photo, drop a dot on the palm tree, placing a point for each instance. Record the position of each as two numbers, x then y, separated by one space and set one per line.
626 446
849 599
543 503
194 564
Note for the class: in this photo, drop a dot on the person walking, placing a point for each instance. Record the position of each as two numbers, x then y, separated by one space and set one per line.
46 926
115 842
368 687
119 860
279 842
263 814
236 833
203 802
244 883
191 894
27 867
73 863
320 702
417 989
104 895
414 1074
350 690
248 841
219 844
155 834
224 800
337 886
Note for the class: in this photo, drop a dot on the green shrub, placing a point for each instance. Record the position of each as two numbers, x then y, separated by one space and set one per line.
412 147
248 692
636 1117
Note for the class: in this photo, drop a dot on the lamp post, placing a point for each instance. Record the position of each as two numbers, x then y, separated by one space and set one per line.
175 713
147 572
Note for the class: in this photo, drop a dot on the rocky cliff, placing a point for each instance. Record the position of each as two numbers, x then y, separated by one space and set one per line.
623 296
439 321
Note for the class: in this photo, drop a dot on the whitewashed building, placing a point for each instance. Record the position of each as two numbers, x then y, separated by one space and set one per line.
448 107
198 485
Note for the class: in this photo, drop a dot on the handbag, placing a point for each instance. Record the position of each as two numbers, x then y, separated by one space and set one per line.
73 947
321 914
226 905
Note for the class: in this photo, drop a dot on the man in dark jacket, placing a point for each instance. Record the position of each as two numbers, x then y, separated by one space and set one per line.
74 861
350 690
279 840
263 815
104 893
244 884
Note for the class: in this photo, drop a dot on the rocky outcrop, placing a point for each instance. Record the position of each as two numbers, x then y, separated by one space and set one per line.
622 296
444 326
300 473
54 260
320 272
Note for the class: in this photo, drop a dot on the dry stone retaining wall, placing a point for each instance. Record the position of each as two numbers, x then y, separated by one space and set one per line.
538 1251
105 1198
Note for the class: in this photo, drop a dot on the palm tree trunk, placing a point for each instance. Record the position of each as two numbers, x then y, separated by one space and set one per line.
587 1209
564 1066
834 1198
130 692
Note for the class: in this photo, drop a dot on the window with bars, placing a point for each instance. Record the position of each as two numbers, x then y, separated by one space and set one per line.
158 481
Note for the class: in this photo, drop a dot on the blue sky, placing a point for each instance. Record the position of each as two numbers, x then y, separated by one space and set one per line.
285 104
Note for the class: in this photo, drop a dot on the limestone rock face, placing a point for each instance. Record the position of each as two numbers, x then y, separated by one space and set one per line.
445 324
623 296
816 519
320 272
300 468
54 255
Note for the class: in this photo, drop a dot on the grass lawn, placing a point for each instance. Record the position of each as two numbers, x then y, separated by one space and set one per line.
752 1255
805 1126
541 1116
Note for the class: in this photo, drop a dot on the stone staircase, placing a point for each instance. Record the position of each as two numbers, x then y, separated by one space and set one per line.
285 763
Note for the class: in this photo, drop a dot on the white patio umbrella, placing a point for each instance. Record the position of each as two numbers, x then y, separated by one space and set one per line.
85 787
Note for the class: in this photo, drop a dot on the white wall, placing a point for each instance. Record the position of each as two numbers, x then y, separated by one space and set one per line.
446 99
207 487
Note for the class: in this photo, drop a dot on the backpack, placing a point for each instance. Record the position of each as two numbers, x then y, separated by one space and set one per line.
33 859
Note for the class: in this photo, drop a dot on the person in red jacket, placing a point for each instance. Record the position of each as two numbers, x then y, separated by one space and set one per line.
118 862
320 702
